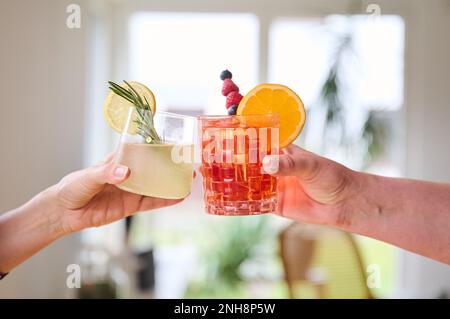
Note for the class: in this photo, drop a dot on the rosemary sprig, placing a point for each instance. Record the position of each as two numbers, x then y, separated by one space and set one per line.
144 120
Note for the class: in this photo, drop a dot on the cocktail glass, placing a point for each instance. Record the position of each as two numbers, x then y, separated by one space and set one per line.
232 151
163 170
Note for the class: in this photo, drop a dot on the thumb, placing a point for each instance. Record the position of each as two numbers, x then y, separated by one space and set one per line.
78 188
293 162
95 177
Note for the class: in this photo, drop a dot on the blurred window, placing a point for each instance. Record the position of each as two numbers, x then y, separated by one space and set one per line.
302 50
301 53
180 56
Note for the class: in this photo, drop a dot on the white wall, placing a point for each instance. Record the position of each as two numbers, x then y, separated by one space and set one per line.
428 129
42 78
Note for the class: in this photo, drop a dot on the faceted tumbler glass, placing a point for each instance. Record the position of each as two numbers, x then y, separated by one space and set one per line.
232 150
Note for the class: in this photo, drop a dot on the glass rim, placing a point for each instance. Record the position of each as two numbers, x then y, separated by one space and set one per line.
177 115
275 116
168 114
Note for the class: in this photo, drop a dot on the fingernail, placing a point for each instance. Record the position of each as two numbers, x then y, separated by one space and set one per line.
271 164
120 171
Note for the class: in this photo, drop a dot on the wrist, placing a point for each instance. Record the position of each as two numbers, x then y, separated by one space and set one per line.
46 205
29 228
360 207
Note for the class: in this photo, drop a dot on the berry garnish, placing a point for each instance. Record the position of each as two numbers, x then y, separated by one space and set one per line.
233 109
233 98
231 91
225 75
228 87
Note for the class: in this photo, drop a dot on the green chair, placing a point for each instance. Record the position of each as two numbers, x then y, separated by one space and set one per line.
321 262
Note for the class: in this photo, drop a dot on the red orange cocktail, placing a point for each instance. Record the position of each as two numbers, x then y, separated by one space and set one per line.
232 150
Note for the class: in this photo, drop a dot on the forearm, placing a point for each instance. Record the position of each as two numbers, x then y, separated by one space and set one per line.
410 214
27 229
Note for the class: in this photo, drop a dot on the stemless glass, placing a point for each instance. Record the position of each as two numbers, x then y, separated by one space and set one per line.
163 170
232 150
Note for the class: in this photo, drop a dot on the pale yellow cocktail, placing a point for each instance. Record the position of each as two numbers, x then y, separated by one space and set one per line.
157 170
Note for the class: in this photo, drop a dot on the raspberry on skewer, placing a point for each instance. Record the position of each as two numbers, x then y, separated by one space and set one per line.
231 92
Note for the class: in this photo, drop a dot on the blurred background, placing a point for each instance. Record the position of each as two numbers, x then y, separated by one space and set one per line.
374 79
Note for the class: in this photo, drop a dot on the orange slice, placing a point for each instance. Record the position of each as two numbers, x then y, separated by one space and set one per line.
276 98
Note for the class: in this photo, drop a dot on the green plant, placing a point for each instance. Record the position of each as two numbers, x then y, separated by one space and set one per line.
374 131
235 242
330 94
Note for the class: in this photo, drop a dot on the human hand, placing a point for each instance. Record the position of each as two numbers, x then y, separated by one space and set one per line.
88 198
410 214
311 188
